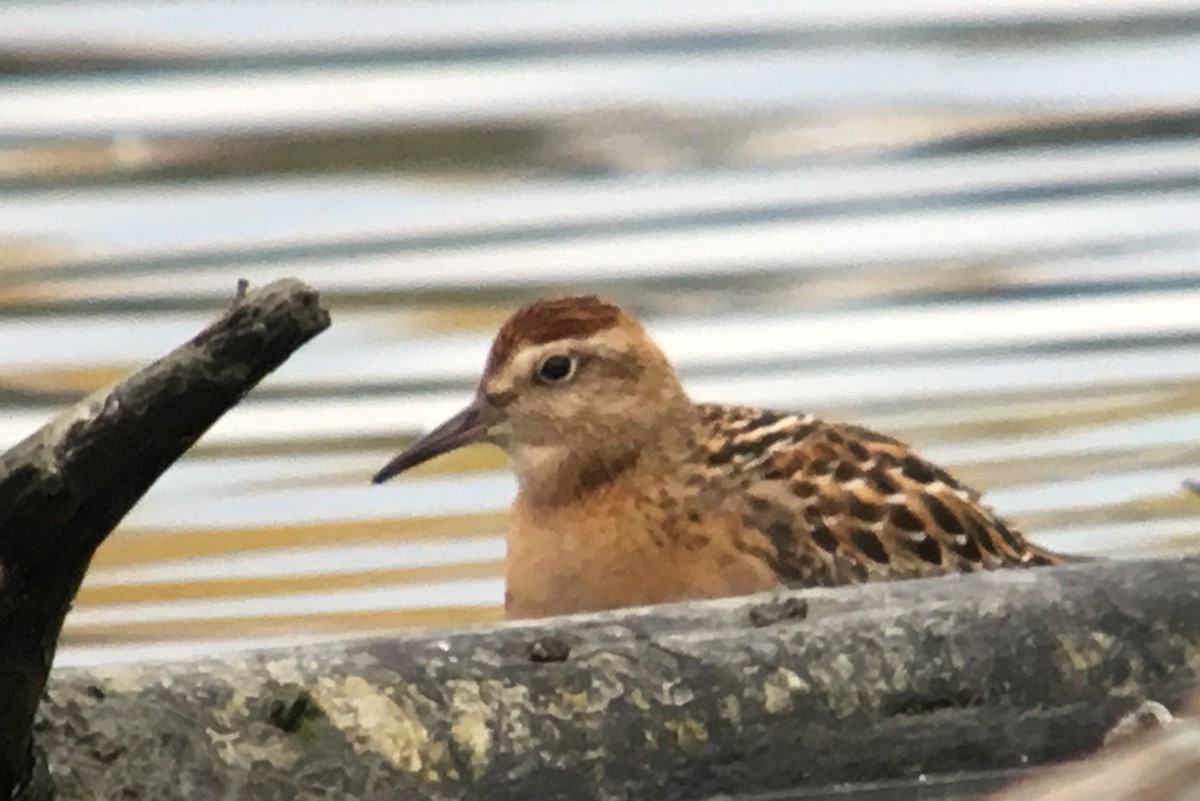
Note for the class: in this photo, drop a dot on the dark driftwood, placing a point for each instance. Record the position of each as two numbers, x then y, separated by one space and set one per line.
983 672
66 487
1156 758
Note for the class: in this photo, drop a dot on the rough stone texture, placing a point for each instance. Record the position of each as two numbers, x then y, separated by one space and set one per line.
991 671
64 488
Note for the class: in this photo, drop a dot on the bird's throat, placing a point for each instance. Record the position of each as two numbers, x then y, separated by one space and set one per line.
551 477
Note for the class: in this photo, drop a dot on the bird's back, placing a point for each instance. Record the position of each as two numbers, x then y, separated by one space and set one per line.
838 503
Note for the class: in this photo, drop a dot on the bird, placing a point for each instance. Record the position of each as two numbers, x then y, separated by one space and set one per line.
629 493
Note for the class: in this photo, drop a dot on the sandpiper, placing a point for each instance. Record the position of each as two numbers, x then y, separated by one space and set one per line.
631 493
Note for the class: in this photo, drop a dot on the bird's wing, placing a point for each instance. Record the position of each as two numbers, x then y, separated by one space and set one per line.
841 503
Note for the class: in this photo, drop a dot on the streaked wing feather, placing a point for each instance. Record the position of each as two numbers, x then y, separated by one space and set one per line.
841 503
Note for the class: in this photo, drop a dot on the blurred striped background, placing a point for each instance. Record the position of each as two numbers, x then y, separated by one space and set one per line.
974 227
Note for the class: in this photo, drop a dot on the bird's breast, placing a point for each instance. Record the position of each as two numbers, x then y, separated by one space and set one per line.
624 551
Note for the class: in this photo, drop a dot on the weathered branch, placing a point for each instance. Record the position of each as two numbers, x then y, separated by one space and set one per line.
980 672
63 489
1155 757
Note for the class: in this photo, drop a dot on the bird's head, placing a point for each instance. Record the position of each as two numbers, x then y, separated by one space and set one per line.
569 382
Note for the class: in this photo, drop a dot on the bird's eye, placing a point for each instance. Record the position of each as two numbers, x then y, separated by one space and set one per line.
556 369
